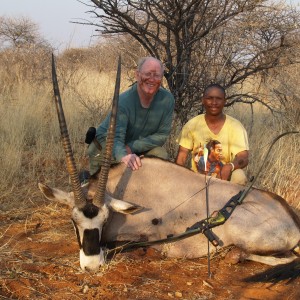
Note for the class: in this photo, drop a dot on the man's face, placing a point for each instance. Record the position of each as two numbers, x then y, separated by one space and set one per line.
149 77
213 101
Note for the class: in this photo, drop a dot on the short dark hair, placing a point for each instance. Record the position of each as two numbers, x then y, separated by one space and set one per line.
214 85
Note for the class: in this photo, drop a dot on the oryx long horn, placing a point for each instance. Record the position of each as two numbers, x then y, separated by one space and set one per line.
71 166
100 192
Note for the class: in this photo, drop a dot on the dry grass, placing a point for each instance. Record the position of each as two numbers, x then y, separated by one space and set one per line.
30 148
280 172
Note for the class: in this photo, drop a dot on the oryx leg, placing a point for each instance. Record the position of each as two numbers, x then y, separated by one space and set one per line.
271 260
237 255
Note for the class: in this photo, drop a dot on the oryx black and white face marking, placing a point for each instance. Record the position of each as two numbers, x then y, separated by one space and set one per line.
88 223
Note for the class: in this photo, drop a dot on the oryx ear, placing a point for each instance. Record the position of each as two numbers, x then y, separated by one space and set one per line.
57 195
123 207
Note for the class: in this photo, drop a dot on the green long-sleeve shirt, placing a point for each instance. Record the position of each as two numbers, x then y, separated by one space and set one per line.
142 129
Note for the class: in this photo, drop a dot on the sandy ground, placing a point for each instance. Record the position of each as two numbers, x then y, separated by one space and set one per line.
39 259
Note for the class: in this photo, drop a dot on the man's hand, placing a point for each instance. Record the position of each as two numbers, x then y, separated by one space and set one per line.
132 161
240 161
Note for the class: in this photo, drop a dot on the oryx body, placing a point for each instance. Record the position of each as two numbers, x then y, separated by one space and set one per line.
173 198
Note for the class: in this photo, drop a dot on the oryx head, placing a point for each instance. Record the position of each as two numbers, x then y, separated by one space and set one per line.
88 215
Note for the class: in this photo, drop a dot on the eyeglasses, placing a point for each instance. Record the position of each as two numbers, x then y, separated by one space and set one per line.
148 75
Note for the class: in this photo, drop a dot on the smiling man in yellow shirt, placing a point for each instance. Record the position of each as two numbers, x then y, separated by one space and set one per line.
215 125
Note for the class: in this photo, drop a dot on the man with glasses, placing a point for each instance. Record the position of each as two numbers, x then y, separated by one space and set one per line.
143 123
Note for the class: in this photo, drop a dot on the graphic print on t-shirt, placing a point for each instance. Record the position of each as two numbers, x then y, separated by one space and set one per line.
208 158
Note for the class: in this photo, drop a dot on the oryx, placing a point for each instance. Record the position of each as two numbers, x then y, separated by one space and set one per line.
167 199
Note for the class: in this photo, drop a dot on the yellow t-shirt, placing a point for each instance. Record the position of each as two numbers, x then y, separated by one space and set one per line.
195 134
